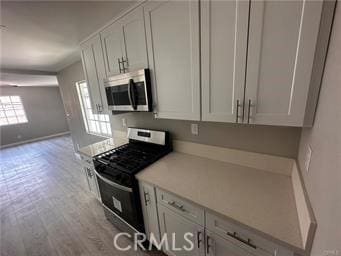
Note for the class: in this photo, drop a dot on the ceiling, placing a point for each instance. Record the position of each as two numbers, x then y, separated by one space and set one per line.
45 35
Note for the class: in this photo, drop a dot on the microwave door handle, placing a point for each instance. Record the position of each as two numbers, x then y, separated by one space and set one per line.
131 94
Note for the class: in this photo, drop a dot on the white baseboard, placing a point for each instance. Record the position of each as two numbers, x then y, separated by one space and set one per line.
35 139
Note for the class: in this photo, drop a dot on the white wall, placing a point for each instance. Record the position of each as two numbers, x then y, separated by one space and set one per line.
323 181
67 79
44 111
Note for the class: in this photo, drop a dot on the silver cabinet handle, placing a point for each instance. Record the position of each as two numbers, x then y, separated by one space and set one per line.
98 107
119 65
124 67
237 111
208 245
88 170
244 241
199 240
249 111
146 201
177 206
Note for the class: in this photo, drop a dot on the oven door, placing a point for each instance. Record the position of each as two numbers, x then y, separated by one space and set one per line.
121 200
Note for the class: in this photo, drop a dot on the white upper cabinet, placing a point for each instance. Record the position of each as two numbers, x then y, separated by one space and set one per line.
282 43
224 26
172 29
93 65
124 44
113 48
267 55
134 37
250 62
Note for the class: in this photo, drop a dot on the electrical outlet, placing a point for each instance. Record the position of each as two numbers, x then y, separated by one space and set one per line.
194 129
307 158
124 122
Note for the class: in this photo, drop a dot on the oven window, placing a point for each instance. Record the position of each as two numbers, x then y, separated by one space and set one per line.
119 201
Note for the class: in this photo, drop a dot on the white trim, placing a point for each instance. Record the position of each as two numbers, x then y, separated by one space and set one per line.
35 139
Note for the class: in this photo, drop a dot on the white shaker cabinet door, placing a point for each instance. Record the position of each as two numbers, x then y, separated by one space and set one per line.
174 227
92 181
282 42
172 29
224 26
113 48
93 66
217 246
149 209
134 37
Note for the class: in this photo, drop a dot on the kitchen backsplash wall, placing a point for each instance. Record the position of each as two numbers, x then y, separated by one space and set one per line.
275 140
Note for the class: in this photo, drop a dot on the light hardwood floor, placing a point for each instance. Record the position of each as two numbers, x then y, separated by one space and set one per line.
45 205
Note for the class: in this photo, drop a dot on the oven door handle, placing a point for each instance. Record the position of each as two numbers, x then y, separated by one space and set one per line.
111 183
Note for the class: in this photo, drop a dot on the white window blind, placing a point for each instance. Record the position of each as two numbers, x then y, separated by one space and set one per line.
12 110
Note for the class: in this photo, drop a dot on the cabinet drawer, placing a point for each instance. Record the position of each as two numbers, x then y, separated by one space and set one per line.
244 238
182 207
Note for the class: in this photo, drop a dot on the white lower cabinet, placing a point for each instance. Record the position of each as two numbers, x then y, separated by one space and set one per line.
243 238
184 237
92 181
173 217
90 176
217 246
149 209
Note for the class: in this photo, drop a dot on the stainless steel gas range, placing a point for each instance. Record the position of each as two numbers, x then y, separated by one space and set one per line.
116 171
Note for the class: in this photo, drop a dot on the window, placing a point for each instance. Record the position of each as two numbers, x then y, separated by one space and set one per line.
11 110
97 124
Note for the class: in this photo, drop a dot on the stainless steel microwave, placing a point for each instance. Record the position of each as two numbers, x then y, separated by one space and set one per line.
129 92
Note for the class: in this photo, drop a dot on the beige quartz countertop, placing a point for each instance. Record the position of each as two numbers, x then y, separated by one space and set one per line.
102 146
261 200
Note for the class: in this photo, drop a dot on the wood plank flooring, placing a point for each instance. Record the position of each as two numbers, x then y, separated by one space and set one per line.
45 205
